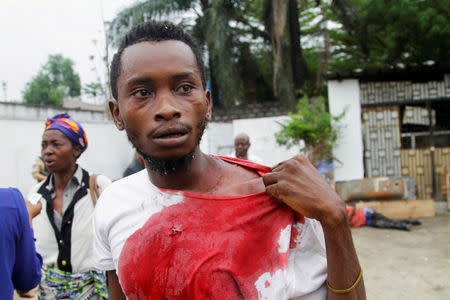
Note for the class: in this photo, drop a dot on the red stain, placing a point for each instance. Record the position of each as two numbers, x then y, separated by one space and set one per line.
206 247
296 230
267 284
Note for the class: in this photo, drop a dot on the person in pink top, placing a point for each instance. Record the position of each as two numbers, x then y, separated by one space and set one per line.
368 216
196 226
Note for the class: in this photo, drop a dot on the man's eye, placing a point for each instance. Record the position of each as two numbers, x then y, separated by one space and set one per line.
141 93
185 88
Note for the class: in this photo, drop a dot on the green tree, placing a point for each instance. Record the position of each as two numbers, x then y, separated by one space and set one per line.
313 125
94 89
380 33
55 80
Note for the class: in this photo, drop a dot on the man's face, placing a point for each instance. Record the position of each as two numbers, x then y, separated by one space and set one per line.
161 101
241 146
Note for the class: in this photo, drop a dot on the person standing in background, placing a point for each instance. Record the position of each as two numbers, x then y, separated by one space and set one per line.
64 229
20 264
241 146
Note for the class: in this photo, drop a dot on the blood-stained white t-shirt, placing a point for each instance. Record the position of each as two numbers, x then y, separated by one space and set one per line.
167 244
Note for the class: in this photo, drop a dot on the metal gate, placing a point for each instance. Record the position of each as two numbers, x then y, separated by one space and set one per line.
381 141
417 163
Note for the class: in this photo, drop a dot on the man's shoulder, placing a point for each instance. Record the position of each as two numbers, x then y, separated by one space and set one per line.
10 198
255 166
134 182
243 180
12 208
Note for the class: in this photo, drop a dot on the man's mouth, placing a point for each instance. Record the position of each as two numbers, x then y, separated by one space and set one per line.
168 136
171 132
173 136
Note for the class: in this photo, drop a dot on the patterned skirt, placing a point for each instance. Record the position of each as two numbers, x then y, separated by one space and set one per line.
57 284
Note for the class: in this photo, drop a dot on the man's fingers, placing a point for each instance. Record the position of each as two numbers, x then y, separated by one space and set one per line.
277 165
272 191
270 178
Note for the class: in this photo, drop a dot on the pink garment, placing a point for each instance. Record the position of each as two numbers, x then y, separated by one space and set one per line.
356 217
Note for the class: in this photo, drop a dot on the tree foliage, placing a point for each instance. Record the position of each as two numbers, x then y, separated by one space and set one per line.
383 33
313 125
230 32
94 89
264 50
55 80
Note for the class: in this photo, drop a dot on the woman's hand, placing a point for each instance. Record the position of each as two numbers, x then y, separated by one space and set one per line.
33 210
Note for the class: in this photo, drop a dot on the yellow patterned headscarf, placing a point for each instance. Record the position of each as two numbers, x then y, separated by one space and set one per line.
71 128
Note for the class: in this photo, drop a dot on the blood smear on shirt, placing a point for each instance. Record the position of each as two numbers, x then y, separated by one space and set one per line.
212 247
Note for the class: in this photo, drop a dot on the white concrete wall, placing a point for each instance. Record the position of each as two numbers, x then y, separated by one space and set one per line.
109 151
21 128
218 139
344 95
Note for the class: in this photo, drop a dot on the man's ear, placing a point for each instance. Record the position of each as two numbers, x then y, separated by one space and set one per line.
208 105
114 109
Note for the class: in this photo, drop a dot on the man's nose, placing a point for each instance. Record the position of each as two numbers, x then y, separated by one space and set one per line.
166 107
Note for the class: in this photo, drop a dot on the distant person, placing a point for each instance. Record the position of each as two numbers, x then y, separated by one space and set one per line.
365 216
39 170
135 166
370 217
241 146
20 264
64 234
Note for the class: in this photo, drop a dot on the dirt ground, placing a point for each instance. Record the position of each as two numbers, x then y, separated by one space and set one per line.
406 265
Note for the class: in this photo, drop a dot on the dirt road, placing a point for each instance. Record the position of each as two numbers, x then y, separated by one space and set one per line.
406 265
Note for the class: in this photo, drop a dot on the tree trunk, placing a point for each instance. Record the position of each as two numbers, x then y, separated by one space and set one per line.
283 84
299 67
324 56
214 88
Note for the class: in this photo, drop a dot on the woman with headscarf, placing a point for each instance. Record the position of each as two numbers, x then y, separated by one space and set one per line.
63 230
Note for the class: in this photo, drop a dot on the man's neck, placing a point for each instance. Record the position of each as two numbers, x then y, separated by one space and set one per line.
198 177
243 157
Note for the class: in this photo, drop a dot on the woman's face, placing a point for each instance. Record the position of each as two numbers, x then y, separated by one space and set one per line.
57 151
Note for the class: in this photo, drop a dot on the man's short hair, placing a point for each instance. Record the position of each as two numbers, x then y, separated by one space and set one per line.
153 31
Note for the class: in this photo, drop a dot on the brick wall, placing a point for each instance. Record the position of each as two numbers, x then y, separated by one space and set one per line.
250 111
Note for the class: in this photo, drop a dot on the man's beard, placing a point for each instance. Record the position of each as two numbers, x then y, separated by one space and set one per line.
165 166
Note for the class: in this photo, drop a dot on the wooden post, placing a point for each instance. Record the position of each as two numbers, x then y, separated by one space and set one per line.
432 142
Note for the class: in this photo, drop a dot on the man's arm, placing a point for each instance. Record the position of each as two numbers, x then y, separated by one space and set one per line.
115 290
27 267
297 183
